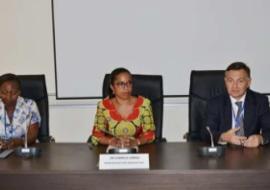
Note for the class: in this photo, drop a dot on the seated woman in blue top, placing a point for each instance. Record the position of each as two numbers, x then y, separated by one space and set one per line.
17 114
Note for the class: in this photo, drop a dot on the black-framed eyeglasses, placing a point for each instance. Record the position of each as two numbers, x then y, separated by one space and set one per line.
123 84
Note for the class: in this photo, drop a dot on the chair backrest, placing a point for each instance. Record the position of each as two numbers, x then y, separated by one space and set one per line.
34 87
151 87
203 86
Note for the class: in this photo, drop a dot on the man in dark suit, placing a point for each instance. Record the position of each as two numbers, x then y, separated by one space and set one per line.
240 116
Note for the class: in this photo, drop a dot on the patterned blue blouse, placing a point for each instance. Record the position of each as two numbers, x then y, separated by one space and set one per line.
26 113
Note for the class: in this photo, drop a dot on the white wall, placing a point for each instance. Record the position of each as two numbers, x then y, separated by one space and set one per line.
26 42
26 47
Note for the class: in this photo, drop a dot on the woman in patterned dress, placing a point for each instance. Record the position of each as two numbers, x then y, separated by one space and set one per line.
121 118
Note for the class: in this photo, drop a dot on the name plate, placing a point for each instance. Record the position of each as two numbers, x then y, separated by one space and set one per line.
212 149
25 150
123 161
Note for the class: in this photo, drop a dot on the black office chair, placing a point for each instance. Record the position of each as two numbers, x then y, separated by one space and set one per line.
151 87
34 87
203 86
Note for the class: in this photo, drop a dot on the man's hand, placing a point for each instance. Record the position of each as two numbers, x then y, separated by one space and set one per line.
230 137
253 141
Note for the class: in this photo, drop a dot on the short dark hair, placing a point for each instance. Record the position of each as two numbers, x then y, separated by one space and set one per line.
239 66
9 77
114 75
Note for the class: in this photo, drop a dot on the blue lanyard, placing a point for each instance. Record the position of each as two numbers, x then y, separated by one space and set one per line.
5 123
6 126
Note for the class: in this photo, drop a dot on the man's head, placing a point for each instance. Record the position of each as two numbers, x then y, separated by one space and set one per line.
237 79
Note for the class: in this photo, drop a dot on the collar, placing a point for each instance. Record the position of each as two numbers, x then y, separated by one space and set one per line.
242 99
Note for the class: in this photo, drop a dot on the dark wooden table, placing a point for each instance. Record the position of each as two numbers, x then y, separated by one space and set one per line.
172 166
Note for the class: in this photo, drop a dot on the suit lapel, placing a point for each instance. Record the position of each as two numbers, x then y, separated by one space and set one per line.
227 112
250 109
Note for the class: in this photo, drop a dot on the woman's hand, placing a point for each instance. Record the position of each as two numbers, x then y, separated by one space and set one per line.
128 142
3 145
13 143
123 142
114 142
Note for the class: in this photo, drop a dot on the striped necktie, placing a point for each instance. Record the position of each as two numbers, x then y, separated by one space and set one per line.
239 119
